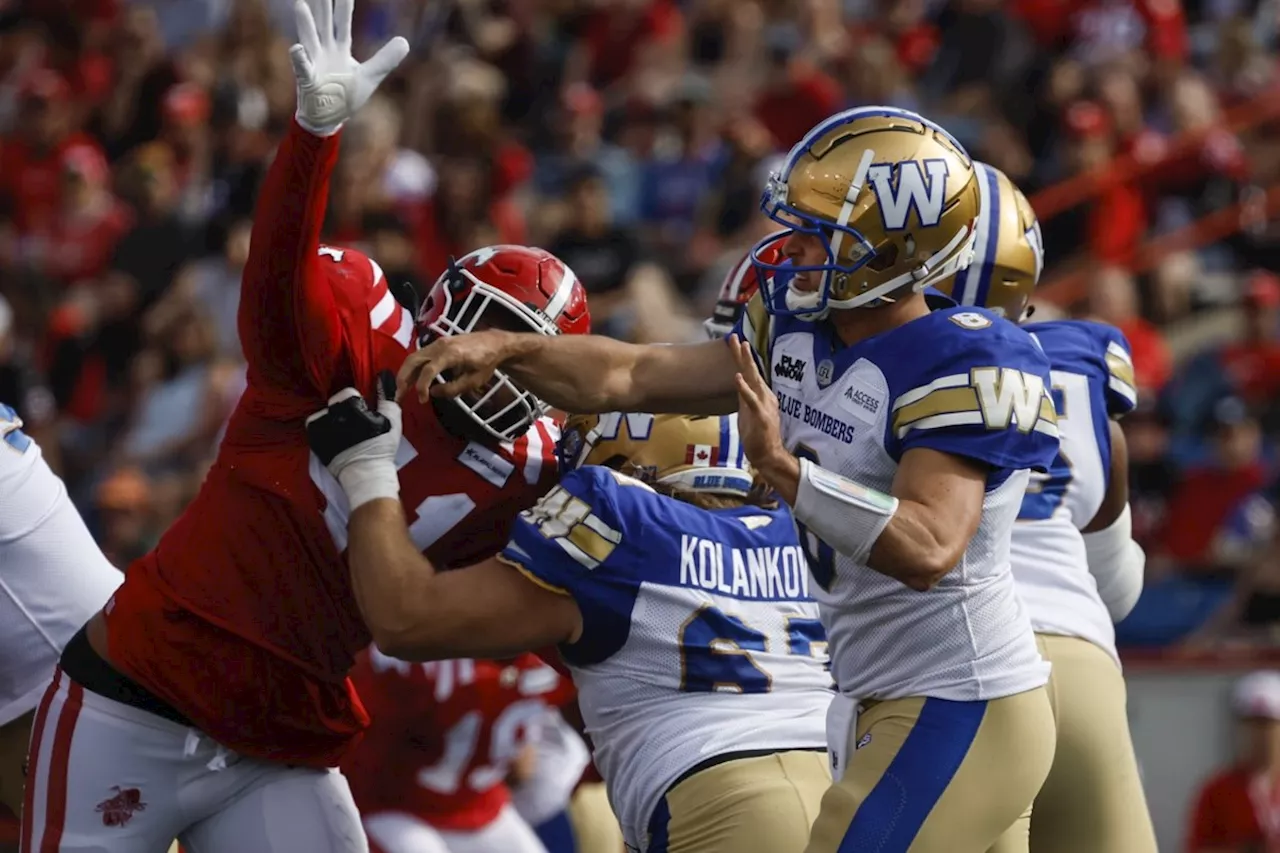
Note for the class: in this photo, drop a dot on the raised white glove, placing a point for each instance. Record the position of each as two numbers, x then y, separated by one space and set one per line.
331 84
357 445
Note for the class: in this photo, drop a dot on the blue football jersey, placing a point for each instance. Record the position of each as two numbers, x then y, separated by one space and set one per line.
959 380
1092 382
700 637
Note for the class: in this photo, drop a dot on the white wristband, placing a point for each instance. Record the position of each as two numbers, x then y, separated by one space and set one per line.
367 480
846 515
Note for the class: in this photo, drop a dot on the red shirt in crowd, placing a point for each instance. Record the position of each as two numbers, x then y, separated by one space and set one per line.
1237 809
1053 21
1201 503
790 111
614 35
1253 369
81 247
32 180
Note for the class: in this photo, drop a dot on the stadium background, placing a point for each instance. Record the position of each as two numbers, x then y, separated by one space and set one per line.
631 137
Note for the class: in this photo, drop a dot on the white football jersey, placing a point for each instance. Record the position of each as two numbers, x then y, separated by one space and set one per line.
699 637
960 381
1092 376
52 573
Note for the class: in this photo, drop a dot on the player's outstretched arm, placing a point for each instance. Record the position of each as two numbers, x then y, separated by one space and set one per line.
288 323
488 610
413 613
580 373
1116 561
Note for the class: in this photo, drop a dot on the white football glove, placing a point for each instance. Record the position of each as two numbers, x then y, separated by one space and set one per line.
331 84
359 445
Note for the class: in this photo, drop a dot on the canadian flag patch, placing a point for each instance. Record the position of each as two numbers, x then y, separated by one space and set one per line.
700 455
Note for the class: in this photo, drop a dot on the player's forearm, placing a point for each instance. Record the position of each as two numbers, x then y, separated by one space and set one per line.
908 540
389 575
576 373
594 373
916 547
285 237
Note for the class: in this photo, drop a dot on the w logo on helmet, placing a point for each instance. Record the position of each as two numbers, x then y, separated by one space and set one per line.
899 187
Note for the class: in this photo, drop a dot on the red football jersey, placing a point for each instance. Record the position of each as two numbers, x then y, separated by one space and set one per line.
242 617
446 733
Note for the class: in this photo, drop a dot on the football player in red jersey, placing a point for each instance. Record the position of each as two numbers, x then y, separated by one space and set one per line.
430 777
209 701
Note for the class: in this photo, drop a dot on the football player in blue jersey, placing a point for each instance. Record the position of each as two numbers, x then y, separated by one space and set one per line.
1075 564
902 438
679 596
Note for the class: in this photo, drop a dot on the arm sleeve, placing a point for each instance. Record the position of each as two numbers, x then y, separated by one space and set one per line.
289 322
985 395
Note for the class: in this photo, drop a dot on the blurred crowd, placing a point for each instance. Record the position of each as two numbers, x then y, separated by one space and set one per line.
632 138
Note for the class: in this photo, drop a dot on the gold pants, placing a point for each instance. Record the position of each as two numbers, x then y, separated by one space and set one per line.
1093 799
595 827
752 805
936 776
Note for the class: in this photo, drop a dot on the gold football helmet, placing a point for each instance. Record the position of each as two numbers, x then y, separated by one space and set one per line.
892 196
1008 253
702 454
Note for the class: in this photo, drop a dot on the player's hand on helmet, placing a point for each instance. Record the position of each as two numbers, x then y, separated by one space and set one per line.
451 366
331 84
759 421
358 444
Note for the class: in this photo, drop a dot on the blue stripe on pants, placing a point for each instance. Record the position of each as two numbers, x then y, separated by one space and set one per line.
659 824
556 834
889 818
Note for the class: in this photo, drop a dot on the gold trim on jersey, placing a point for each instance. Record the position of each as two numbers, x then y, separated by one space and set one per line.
549 587
1047 411
1123 380
594 538
1121 369
943 401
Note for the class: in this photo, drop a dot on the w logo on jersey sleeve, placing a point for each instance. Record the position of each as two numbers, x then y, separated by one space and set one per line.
901 187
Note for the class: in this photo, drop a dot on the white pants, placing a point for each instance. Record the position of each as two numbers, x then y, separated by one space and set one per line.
109 778
562 756
396 832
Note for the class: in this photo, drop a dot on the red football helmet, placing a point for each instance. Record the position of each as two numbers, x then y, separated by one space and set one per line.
740 285
517 288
